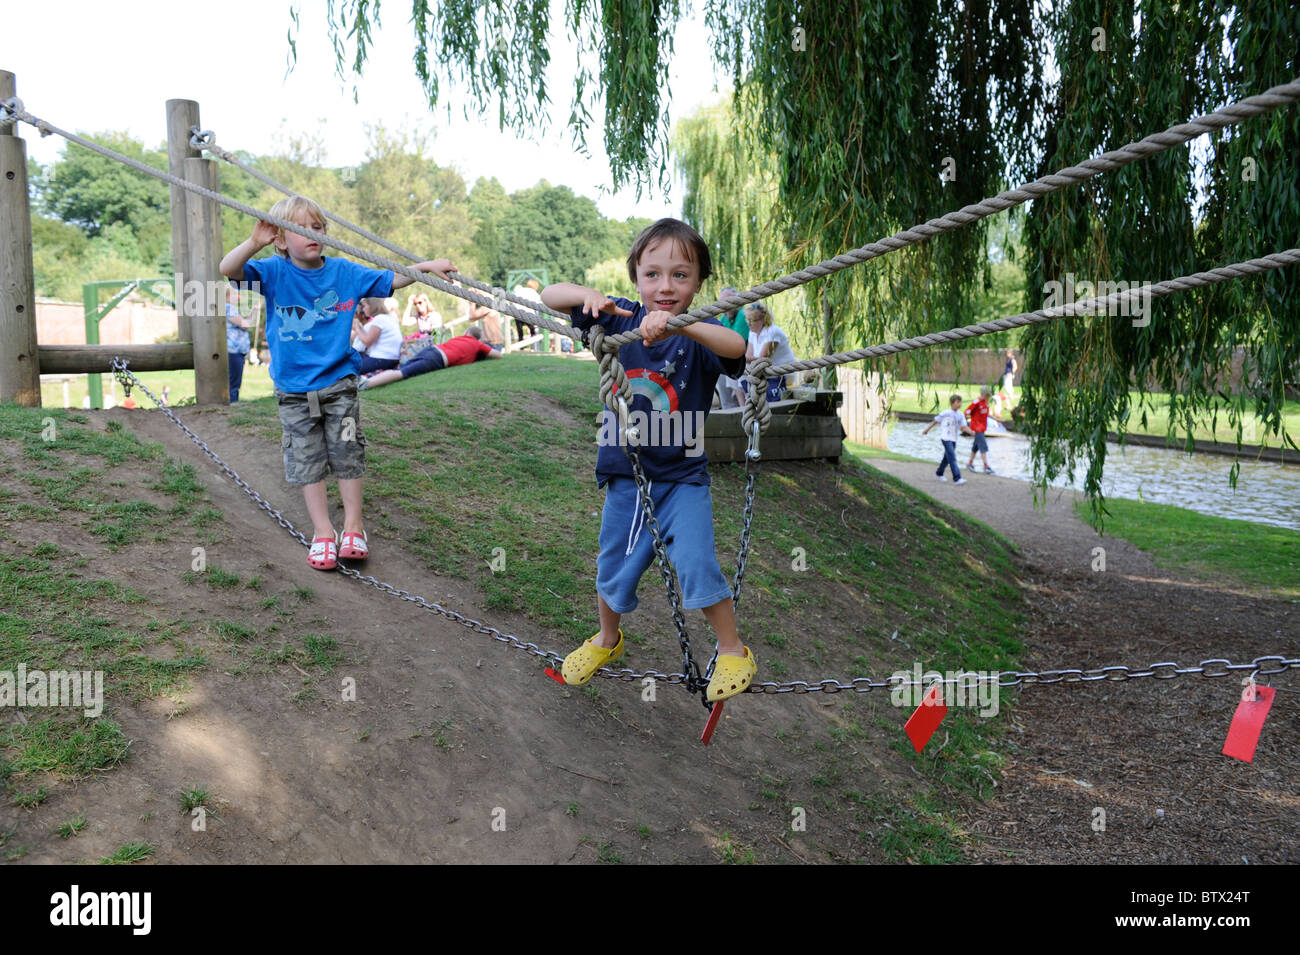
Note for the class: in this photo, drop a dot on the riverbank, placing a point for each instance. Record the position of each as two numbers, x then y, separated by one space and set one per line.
1247 451
928 398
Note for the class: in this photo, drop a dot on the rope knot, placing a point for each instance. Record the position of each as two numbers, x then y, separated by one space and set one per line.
612 376
201 138
756 408
9 111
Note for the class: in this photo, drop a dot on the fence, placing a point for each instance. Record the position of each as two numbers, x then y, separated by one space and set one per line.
863 410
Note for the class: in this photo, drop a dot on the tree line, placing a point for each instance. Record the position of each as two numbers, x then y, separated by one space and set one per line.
95 219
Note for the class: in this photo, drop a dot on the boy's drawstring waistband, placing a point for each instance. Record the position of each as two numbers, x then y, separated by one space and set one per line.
638 519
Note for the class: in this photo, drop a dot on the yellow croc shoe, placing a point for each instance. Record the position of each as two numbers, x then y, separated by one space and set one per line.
731 675
581 665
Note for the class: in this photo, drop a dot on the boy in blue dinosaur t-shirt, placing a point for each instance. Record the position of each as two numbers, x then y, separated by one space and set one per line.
671 378
310 300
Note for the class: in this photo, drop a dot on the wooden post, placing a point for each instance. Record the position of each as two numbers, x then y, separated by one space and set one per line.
181 115
20 371
205 288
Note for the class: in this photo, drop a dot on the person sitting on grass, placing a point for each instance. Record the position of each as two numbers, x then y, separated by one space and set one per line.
668 263
950 422
376 331
461 350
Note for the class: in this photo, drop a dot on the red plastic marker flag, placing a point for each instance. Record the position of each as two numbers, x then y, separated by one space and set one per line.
1247 722
712 724
921 725
555 675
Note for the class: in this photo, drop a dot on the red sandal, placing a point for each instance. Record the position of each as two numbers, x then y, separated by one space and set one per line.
354 546
324 553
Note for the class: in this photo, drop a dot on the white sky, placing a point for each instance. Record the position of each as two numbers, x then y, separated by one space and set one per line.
91 67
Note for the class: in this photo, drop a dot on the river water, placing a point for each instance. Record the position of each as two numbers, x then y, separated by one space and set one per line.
1266 492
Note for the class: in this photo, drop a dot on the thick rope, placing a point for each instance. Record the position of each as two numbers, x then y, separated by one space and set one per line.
1118 300
426 278
756 408
1155 143
203 139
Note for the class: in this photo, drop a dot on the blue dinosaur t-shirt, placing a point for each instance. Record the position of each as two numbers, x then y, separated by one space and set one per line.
309 317
672 385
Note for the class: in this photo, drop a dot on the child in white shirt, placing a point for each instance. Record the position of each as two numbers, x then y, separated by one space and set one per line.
951 423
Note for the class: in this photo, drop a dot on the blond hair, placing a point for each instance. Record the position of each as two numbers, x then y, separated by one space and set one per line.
375 305
297 209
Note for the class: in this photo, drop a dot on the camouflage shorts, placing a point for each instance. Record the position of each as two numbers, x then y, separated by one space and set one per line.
322 433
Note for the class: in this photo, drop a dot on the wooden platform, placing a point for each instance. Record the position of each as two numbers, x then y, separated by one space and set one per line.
800 430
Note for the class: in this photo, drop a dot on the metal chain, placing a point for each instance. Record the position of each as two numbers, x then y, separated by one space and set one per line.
752 459
694 681
1207 668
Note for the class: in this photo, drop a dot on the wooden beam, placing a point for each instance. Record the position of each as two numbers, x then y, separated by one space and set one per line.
92 359
20 375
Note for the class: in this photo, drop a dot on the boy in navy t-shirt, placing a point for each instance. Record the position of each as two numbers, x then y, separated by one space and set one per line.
671 378
310 300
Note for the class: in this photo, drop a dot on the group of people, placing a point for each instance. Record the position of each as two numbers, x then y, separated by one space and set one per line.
974 421
312 304
763 339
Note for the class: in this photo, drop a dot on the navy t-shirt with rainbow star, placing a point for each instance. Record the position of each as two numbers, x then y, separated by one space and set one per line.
672 384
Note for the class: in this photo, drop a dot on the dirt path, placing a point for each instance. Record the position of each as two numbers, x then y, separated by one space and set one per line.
1145 752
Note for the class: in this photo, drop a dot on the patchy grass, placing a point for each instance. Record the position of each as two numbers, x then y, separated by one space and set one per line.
70 827
194 797
129 853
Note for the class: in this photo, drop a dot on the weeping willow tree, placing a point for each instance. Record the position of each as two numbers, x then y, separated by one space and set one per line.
1126 70
881 115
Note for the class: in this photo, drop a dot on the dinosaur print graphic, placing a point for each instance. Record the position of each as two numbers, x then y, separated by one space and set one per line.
295 320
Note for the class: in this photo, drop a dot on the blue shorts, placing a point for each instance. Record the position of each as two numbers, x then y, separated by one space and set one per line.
978 443
685 516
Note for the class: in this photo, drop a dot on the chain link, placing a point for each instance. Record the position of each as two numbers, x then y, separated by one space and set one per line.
695 682
1212 668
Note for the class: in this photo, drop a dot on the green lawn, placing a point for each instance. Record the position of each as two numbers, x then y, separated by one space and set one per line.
257 384
1257 555
931 397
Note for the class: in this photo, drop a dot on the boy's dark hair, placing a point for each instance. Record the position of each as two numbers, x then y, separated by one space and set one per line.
475 332
678 231
956 398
